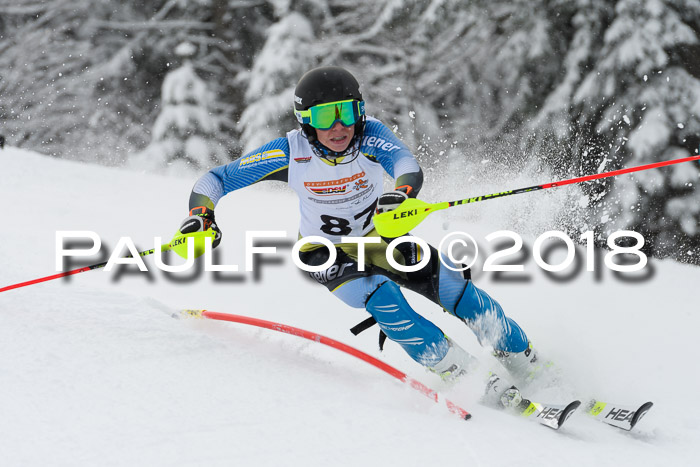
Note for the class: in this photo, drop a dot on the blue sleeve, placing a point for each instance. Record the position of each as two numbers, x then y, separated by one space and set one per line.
379 142
268 162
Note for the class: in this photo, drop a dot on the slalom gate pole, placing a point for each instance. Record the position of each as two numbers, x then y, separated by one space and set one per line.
164 247
413 211
312 336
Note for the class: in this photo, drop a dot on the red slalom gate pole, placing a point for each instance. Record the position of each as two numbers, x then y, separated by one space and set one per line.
312 336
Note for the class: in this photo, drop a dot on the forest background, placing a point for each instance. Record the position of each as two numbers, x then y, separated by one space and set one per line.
487 88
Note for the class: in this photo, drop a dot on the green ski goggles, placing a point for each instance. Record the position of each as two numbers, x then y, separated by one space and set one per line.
324 116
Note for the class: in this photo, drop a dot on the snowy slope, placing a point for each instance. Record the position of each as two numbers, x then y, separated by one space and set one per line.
94 371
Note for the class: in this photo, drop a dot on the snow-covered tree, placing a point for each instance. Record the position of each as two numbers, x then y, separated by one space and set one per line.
185 132
82 79
654 105
627 99
271 81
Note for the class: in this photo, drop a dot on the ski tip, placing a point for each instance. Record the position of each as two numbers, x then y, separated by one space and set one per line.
641 411
620 416
567 412
574 405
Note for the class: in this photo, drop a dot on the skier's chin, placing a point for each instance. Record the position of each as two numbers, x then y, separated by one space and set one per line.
337 139
338 145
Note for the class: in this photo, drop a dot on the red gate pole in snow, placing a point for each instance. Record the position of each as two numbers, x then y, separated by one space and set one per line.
312 336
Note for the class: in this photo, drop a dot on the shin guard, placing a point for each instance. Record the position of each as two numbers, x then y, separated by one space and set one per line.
486 319
422 340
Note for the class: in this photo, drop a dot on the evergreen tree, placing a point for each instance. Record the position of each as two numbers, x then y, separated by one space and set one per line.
626 99
81 79
271 81
185 132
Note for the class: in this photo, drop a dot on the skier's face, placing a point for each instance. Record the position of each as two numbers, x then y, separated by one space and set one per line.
338 138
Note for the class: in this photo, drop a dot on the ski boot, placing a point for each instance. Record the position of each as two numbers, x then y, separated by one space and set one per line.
455 363
526 367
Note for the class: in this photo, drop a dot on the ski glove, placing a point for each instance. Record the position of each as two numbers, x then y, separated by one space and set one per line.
390 201
201 218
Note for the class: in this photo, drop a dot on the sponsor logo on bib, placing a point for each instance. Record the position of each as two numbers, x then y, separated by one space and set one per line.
337 187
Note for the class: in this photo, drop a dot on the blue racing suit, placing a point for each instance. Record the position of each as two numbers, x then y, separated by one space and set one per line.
338 198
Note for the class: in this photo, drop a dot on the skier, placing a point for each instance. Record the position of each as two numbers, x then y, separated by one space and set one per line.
335 163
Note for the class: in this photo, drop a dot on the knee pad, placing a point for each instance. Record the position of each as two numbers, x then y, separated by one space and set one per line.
451 287
422 340
356 291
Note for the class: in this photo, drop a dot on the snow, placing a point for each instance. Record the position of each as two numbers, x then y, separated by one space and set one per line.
684 209
683 175
183 86
286 56
271 66
652 133
183 133
95 371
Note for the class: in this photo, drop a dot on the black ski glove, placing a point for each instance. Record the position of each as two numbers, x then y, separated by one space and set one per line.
390 201
200 219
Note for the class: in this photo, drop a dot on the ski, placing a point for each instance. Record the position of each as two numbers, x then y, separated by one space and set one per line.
617 415
549 415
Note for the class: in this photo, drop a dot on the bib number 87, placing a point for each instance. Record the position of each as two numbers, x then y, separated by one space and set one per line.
338 226
335 225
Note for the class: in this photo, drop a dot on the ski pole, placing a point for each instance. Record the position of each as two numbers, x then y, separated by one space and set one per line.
179 244
164 247
312 336
413 211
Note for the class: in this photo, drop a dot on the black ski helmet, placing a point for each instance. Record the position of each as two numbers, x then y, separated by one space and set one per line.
327 84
